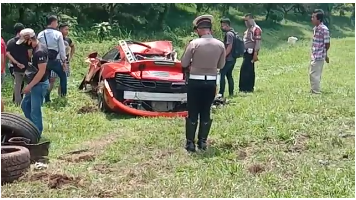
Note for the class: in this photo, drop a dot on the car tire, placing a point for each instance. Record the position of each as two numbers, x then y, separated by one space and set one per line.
13 125
103 106
15 161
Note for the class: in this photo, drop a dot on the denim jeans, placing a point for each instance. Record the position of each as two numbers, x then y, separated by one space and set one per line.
55 65
32 103
227 72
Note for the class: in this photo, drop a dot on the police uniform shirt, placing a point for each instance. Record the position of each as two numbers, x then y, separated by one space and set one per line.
252 38
204 55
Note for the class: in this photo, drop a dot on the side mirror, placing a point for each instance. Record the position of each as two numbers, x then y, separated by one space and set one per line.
93 55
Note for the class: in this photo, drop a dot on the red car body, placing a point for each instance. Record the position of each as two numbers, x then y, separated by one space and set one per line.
142 79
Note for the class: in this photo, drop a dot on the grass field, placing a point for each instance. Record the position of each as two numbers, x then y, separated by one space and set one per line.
280 141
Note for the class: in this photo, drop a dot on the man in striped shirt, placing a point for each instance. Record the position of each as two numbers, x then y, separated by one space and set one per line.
320 47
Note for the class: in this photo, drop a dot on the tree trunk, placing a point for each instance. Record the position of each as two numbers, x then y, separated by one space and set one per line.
269 8
163 15
21 14
199 7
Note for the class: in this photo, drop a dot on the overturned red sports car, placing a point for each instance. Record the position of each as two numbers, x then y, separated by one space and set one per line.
143 79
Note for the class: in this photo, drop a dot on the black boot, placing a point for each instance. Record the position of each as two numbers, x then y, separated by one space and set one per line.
204 129
190 128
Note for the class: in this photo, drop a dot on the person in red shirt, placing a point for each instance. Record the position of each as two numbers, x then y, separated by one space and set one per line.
3 64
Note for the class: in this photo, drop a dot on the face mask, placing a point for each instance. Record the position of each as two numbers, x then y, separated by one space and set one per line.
223 30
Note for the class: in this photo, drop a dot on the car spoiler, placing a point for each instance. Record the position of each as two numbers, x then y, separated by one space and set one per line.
155 65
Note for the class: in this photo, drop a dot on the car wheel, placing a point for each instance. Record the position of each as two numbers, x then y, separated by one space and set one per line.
15 161
13 125
103 106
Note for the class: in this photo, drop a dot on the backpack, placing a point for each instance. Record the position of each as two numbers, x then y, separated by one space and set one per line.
238 47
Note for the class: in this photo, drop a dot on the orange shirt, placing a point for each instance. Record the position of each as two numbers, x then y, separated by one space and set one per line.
3 52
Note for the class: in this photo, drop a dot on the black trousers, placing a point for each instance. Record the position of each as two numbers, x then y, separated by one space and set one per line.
247 74
200 96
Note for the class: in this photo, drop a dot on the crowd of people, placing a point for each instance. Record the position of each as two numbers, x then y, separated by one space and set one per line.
206 56
39 60
35 62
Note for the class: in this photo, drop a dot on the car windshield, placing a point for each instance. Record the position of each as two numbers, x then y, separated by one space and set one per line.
112 55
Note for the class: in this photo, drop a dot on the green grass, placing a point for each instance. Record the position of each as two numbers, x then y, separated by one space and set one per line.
280 141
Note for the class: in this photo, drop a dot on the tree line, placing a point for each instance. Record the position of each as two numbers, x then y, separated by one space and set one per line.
150 16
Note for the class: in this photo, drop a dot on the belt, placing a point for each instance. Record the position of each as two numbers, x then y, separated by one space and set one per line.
202 77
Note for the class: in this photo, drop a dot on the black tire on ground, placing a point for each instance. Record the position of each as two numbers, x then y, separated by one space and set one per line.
15 161
103 106
13 125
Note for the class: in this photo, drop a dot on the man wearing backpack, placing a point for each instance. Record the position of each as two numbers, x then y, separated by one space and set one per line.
234 49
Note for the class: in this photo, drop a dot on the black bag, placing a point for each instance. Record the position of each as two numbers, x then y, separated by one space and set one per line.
30 73
52 54
238 47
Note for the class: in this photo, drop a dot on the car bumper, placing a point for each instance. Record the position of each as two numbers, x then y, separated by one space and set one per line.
116 105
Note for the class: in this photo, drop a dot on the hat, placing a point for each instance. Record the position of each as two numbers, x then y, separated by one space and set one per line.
26 34
203 21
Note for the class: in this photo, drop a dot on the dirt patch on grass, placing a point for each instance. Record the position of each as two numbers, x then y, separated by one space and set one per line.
299 145
103 168
256 169
94 148
241 155
87 109
55 181
78 156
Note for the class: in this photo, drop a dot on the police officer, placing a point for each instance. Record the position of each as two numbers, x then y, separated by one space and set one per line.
252 41
203 57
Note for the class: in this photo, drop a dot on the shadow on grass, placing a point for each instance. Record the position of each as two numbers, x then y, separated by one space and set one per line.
121 116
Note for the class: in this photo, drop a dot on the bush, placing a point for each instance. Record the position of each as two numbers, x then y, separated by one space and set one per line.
276 16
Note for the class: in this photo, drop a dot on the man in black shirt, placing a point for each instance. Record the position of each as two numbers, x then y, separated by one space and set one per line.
19 58
36 76
227 70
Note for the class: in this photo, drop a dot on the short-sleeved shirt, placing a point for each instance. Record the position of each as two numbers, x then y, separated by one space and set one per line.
252 35
19 53
40 56
229 39
204 55
320 38
3 52
67 43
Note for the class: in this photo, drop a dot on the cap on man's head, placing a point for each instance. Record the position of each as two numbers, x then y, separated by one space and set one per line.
18 27
203 21
26 34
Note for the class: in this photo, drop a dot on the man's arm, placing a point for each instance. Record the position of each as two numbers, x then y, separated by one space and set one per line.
3 53
41 59
257 37
72 48
222 59
62 48
3 61
229 41
187 56
327 39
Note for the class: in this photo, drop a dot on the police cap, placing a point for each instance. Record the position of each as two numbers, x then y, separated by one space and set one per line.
203 21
